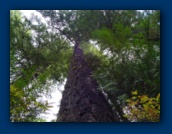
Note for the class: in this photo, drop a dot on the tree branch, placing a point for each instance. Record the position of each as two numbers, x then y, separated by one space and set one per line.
65 35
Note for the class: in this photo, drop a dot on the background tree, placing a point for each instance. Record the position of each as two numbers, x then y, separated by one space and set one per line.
133 56
38 57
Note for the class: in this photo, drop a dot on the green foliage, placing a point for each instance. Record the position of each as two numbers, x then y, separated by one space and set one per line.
132 58
142 108
39 120
23 106
38 57
92 55
104 35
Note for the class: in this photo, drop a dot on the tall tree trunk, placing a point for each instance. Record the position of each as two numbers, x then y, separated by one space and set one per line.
81 99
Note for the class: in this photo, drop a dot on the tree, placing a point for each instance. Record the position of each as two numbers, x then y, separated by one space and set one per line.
82 101
130 42
121 51
133 59
34 64
23 103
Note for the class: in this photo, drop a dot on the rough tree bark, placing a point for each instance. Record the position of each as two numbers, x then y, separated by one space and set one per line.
81 99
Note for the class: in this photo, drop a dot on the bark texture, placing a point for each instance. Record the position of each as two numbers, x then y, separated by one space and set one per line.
81 99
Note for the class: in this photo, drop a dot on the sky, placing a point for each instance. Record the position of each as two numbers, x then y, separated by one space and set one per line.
54 101
56 94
